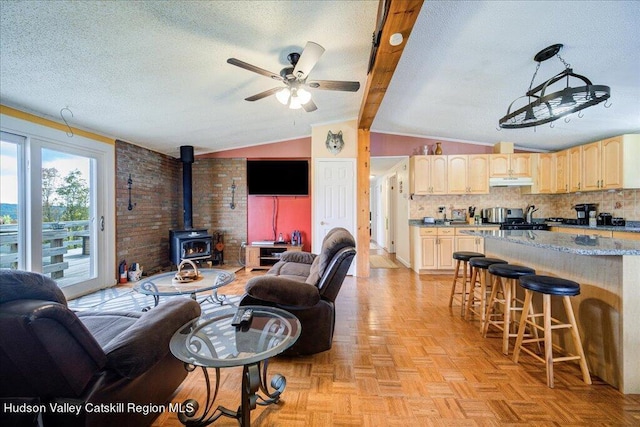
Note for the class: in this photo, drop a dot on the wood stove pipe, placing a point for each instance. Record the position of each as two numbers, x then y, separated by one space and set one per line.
187 158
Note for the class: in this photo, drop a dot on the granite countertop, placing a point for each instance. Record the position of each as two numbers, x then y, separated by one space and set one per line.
581 244
631 226
419 223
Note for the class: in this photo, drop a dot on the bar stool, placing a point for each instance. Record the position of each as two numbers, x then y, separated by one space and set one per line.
477 304
549 286
462 257
508 301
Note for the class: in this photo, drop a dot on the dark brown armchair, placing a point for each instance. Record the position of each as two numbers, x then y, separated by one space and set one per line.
49 354
307 285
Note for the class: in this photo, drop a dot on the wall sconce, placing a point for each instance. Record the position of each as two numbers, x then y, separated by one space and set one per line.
129 184
232 205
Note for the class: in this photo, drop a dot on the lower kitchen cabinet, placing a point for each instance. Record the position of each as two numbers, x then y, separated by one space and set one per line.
432 249
466 243
626 235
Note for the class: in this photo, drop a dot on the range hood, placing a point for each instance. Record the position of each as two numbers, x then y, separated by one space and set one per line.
510 182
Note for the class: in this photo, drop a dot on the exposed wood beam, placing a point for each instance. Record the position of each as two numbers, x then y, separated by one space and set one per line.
401 17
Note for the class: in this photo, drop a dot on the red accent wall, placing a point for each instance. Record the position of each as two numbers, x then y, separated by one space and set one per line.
291 213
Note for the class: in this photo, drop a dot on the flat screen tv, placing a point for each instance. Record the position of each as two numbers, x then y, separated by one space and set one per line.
278 177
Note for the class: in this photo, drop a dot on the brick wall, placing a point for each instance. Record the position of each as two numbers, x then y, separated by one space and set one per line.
212 180
142 234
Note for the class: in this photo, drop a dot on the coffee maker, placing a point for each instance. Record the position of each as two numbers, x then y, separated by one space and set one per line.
583 212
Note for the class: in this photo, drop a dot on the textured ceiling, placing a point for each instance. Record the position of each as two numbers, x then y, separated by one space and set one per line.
155 73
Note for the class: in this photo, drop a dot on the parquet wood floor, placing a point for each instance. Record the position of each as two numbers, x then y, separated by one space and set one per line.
401 357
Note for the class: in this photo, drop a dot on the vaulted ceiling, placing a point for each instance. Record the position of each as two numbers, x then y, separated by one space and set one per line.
155 73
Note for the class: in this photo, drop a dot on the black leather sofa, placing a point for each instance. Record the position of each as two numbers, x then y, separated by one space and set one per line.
50 354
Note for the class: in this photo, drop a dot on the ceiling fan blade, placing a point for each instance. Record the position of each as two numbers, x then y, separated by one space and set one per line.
309 106
249 67
334 85
263 94
308 59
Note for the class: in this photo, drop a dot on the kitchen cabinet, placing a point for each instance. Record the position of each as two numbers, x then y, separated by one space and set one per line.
561 171
468 174
605 165
543 171
625 235
432 249
574 159
428 175
464 242
510 165
591 167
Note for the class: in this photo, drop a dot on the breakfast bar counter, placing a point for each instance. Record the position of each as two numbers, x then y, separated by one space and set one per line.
608 307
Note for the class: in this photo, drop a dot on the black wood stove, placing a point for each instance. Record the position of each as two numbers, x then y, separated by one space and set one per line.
191 243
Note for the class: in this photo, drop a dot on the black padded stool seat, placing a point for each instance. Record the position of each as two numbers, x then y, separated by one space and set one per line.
505 319
550 285
510 271
461 257
484 262
477 300
466 256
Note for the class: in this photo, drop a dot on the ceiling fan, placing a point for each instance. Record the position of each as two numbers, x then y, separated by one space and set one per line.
295 77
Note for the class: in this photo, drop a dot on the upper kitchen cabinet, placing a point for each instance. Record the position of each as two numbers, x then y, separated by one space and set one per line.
543 169
510 165
428 175
574 160
468 174
561 172
605 165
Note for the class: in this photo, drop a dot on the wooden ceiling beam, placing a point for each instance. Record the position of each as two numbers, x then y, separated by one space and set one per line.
401 18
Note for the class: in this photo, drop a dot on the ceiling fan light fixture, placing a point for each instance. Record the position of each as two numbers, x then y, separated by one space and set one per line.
283 96
303 96
295 104
544 107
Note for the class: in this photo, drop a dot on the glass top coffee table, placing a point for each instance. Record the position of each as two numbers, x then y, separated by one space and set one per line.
215 343
164 284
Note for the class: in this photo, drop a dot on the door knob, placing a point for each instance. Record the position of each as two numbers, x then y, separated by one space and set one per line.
324 223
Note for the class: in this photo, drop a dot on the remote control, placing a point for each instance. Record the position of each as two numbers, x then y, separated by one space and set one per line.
243 316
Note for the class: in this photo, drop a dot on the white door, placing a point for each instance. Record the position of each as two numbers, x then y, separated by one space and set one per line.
334 198
392 192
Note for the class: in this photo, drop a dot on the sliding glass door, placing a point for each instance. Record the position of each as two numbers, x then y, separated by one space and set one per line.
54 210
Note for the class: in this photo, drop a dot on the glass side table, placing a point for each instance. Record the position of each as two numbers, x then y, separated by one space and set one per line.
215 344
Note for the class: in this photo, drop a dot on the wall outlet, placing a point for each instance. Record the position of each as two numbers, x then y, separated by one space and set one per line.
441 209
243 244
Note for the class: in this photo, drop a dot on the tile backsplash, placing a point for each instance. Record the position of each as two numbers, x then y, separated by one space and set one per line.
624 203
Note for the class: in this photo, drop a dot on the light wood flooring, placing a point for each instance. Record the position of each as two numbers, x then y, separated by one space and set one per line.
402 357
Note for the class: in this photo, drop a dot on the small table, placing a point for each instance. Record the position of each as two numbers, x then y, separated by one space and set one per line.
214 343
210 279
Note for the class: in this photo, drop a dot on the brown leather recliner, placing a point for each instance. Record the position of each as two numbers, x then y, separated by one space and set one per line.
307 285
49 354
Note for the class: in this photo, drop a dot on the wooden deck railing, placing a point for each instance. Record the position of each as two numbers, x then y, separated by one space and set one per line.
57 238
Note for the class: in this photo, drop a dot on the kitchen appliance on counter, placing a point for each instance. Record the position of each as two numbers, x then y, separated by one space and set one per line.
618 222
604 218
583 212
499 215
494 215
